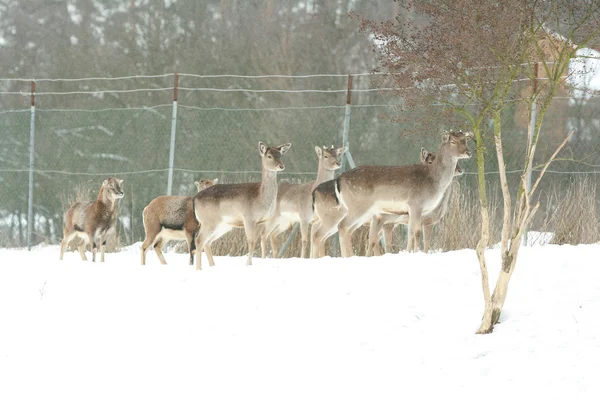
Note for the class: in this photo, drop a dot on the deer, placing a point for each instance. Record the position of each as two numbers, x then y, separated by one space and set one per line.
221 208
168 218
93 222
329 210
415 190
294 201
387 222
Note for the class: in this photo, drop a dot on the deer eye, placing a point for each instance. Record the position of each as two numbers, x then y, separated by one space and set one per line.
325 156
269 156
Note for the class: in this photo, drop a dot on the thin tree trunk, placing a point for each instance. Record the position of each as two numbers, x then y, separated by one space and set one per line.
486 325
485 230
506 222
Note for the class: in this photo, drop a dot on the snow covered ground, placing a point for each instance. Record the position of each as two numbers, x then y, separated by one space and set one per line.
394 327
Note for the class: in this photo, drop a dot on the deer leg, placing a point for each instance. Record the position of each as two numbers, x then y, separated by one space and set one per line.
209 254
346 228
158 246
102 249
203 240
304 234
92 241
65 242
414 228
388 236
81 248
263 244
373 235
313 243
189 237
427 237
251 235
345 238
266 234
149 241
200 241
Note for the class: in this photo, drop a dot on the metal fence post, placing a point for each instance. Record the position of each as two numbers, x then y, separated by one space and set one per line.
173 130
347 156
31 164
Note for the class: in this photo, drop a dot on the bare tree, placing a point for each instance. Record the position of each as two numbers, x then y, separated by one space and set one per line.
477 58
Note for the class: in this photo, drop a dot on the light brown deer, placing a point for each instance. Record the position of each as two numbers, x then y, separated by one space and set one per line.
294 201
414 189
171 218
220 208
387 222
93 222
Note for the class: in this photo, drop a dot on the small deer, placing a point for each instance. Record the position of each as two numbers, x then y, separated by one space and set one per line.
171 218
93 222
415 190
387 222
221 208
294 201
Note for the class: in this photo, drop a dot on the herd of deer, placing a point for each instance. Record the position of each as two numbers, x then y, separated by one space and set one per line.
384 196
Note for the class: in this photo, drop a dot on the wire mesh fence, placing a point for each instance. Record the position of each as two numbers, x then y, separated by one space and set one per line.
89 129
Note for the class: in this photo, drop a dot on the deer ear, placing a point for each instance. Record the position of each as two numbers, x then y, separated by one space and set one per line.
262 148
120 181
341 150
446 137
215 181
424 154
319 151
105 182
284 148
197 184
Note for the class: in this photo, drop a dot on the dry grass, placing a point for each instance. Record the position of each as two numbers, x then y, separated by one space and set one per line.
572 214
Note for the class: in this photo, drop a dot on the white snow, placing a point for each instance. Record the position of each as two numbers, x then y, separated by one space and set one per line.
399 326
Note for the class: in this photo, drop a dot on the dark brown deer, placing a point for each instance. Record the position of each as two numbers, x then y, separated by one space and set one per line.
93 222
171 218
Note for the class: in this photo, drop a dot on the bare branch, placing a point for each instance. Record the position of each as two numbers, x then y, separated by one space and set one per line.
560 146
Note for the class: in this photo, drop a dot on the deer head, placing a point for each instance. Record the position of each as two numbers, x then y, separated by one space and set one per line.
205 183
112 188
329 158
271 156
456 144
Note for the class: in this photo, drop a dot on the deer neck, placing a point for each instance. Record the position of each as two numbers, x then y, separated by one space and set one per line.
443 167
268 186
105 200
323 175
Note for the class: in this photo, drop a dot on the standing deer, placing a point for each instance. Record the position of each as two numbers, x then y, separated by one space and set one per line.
294 201
220 208
93 222
415 190
387 222
171 218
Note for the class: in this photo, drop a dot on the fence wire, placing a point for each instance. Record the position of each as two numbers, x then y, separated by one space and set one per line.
87 129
